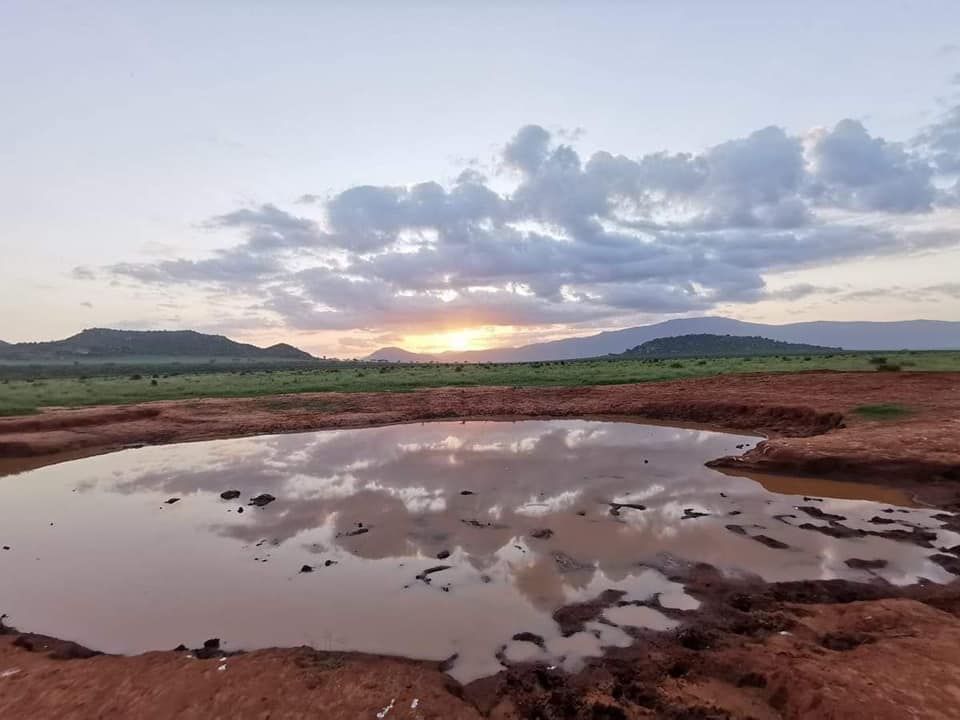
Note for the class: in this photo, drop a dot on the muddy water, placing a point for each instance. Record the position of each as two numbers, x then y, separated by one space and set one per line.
526 516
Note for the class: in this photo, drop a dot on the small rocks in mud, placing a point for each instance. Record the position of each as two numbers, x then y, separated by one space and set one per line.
736 529
582 513
861 564
54 648
782 517
486 579
735 512
481 524
615 508
354 532
467 492
691 514
6 547
306 569
443 555
230 494
171 501
262 499
819 514
948 562
565 563
834 530
770 542
877 520
329 563
542 533
695 638
240 509
210 649
425 575
530 638
841 642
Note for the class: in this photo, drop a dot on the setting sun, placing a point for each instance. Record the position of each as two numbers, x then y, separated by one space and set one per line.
458 340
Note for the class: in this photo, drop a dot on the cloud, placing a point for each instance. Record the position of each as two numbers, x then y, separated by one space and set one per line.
592 240
941 142
854 170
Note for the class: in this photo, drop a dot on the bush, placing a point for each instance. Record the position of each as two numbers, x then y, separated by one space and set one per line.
136 377
459 368
891 367
701 362
676 365
877 360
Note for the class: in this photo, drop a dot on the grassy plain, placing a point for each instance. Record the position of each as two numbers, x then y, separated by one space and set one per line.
24 389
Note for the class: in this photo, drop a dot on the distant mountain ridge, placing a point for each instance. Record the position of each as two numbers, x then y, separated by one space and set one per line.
853 335
396 354
706 345
107 343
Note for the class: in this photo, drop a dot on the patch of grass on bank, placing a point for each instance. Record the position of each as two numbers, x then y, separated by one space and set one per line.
882 411
68 386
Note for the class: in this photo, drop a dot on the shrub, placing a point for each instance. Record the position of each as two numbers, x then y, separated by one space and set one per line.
676 365
877 360
701 362
136 377
890 367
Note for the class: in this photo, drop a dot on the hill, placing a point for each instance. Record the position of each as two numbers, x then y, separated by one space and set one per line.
96 343
706 345
901 335
395 354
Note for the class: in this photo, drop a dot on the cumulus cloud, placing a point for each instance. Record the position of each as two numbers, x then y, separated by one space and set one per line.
582 240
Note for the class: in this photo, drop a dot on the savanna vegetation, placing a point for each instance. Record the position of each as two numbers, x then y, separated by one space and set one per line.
25 388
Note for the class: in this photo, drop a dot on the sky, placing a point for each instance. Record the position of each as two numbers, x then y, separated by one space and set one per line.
449 176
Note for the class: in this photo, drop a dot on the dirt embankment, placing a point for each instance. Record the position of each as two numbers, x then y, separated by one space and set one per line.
808 418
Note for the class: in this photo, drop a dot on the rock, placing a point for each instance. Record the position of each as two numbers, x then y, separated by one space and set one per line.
566 564
818 513
948 562
860 564
736 529
171 501
230 494
770 542
262 499
877 520
542 533
845 641
582 513
306 569
328 563
443 555
239 509
6 547
353 533
180 648
430 570
530 638
467 492
834 530
690 514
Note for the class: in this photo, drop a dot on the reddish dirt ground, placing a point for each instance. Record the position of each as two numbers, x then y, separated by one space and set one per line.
829 649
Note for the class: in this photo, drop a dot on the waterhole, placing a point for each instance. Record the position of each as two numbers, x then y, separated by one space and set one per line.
428 541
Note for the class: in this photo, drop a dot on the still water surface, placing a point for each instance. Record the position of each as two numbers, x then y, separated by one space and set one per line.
98 556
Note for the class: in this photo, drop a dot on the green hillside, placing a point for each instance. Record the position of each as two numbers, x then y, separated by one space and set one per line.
704 345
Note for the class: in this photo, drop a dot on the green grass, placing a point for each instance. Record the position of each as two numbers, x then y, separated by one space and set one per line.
81 385
882 411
